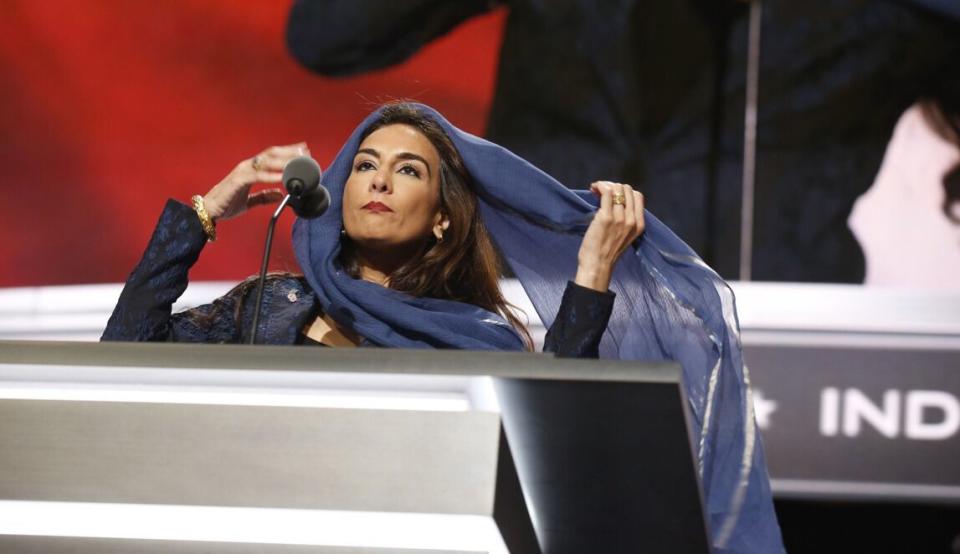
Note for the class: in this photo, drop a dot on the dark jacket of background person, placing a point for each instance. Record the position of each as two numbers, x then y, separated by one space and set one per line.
652 93
143 312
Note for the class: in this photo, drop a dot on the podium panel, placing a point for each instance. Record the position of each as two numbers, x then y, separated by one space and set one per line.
256 456
217 448
78 545
607 465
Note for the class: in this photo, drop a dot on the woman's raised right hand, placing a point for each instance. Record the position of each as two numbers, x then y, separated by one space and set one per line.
231 196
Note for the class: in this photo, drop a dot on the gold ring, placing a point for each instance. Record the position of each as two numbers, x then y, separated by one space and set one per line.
619 199
256 163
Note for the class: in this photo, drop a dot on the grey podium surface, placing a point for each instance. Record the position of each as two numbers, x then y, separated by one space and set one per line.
601 447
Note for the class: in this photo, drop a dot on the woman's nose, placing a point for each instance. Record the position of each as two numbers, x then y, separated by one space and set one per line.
380 183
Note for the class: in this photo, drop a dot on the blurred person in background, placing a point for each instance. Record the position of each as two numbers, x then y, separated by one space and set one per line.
908 222
652 93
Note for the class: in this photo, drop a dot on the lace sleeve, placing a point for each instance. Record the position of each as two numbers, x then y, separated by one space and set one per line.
580 323
143 310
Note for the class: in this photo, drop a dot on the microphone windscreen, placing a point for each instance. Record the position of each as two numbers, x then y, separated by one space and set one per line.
301 176
309 206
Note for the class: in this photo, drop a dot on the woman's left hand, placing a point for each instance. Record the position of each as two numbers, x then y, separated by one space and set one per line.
614 227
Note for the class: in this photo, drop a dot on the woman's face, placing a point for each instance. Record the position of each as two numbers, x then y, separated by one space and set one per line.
392 197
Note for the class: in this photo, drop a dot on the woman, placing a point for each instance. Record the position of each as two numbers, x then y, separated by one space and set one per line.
411 224
403 258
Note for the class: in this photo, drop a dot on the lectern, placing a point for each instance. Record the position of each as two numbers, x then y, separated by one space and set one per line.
226 448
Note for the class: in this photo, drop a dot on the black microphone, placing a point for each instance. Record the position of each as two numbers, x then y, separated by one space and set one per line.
308 198
301 178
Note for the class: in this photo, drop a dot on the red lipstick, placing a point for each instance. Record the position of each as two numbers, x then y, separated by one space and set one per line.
376 207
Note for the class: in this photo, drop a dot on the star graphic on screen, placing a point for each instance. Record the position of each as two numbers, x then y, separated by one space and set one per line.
763 408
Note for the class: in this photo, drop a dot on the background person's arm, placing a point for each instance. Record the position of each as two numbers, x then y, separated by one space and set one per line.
949 8
347 37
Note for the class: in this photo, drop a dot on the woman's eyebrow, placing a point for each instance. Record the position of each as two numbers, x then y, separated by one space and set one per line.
412 156
370 151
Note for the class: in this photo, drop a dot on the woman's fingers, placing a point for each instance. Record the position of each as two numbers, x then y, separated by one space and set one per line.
268 163
594 261
264 197
231 196
613 228
595 188
246 175
263 170
283 154
620 215
276 157
288 150
602 189
639 207
267 176
618 199
632 224
628 207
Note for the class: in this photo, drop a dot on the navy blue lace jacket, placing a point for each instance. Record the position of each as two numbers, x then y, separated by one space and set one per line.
143 312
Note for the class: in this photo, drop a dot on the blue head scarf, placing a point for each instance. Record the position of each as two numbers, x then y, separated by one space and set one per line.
669 306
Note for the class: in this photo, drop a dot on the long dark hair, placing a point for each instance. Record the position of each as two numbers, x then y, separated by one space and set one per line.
465 265
942 111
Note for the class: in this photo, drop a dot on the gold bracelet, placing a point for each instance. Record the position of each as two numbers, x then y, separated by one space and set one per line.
209 227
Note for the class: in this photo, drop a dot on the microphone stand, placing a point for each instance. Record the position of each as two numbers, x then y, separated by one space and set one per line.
750 141
263 267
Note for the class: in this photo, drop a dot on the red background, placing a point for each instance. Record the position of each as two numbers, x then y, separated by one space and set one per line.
108 108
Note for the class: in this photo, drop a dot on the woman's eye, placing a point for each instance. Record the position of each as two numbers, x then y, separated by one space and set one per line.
364 166
410 170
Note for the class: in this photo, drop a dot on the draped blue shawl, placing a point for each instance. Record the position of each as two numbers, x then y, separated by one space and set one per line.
670 306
